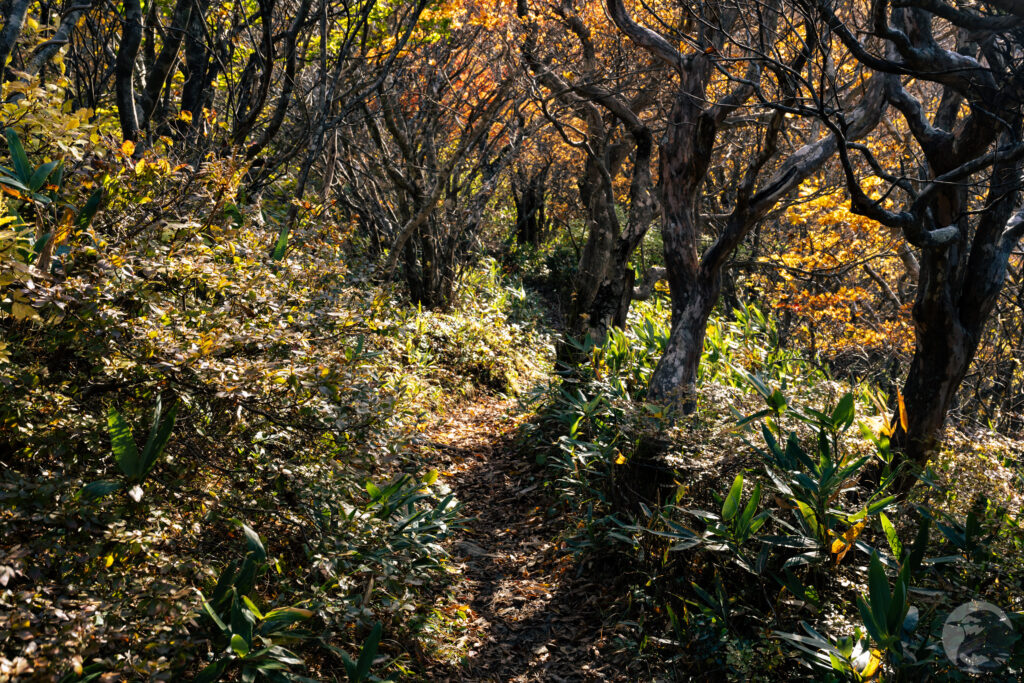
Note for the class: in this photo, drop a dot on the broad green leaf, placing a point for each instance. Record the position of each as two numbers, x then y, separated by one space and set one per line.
98 489
777 401
210 612
869 621
897 608
212 672
732 501
12 181
880 504
88 211
242 620
41 174
751 507
126 453
254 543
18 157
891 536
252 607
159 434
878 590
369 652
919 547
281 618
808 515
282 244
239 646
842 416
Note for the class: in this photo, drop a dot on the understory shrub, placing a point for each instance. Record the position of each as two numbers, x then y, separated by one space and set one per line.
861 585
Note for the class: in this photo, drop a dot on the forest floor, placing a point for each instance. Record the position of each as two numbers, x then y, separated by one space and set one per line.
530 614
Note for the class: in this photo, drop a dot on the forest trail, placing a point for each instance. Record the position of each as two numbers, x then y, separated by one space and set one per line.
530 617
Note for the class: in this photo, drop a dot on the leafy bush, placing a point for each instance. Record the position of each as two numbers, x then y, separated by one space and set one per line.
282 411
794 507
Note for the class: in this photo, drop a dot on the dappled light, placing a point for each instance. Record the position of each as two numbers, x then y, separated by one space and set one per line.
546 340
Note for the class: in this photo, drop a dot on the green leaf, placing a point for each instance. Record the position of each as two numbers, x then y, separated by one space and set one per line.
38 178
880 504
159 434
18 157
742 422
252 607
897 608
98 489
281 618
88 211
37 247
878 590
242 620
758 385
213 672
254 543
842 416
126 453
282 244
869 621
369 652
210 612
919 547
11 181
239 646
808 515
891 536
751 508
732 501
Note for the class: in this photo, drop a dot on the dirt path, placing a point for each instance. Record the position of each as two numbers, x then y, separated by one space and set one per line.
531 618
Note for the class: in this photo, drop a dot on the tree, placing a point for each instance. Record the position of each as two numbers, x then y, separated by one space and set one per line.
437 138
596 103
955 74
711 95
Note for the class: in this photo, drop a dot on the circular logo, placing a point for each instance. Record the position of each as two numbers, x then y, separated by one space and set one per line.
978 637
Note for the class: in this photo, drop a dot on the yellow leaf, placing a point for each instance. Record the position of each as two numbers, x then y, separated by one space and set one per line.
128 148
872 667
24 312
620 460
903 409
185 116
110 560
842 545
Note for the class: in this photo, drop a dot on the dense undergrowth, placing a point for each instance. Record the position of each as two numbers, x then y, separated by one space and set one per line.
758 539
275 524
211 423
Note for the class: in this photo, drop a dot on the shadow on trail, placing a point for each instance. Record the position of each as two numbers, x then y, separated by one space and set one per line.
532 618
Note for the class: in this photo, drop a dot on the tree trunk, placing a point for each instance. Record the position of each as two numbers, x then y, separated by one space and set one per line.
161 68
958 289
12 30
685 155
127 51
528 197
674 382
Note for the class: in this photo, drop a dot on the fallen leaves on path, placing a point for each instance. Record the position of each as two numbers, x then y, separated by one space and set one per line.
532 616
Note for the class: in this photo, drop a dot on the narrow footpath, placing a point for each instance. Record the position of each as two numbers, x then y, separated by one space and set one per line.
532 615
